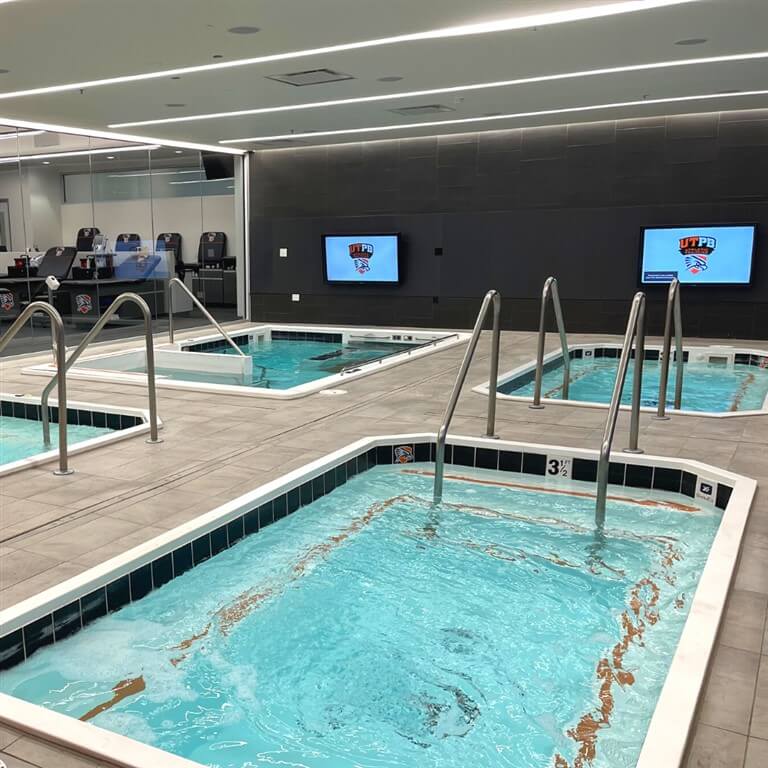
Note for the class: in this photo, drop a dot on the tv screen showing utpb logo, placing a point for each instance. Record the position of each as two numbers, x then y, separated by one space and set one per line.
373 259
705 255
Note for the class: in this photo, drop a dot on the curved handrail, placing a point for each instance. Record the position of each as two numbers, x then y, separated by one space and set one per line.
550 292
59 351
635 330
103 320
673 307
175 281
491 296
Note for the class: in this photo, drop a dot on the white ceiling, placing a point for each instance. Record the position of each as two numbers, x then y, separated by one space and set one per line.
53 42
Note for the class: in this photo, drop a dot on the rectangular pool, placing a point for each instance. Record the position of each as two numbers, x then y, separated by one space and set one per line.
21 432
716 380
278 361
369 628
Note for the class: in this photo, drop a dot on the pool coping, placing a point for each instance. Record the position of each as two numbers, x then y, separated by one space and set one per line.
445 339
85 445
529 367
669 730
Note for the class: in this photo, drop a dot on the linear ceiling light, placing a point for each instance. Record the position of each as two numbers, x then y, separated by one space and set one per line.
200 181
454 89
80 153
20 134
482 28
113 136
489 118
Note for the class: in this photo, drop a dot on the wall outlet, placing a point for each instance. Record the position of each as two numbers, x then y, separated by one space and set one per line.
295 297
283 253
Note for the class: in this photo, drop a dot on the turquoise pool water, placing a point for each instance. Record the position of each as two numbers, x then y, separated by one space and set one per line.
22 438
369 630
706 387
282 364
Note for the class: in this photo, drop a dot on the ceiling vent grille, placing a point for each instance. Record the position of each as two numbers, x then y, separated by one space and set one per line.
311 77
423 109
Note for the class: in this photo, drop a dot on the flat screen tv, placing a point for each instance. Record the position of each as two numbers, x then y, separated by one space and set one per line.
362 259
698 255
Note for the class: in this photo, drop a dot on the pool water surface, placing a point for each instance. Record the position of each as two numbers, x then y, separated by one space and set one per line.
370 629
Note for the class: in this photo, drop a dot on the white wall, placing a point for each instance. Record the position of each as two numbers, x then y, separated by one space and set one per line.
167 214
10 190
43 197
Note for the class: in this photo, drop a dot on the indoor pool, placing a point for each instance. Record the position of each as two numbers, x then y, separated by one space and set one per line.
283 363
22 438
707 387
372 630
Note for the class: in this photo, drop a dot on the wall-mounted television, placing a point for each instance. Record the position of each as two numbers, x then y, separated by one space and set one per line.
362 259
698 255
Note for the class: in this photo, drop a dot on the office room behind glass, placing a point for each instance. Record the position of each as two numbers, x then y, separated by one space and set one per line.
136 215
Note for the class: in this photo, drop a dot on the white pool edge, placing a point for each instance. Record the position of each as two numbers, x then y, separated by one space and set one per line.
445 340
73 449
667 736
503 378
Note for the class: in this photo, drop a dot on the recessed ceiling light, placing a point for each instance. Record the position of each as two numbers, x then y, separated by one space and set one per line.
179 152
518 115
110 157
244 30
46 162
389 79
174 104
481 28
692 41
455 89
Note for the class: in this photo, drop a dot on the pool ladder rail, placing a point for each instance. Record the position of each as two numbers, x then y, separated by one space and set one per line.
123 298
492 297
550 292
673 310
208 316
59 353
635 331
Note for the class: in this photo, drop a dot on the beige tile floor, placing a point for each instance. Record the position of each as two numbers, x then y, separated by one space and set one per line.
216 448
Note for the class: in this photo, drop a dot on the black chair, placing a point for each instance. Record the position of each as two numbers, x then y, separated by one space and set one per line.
57 262
127 241
171 241
3 249
84 240
212 250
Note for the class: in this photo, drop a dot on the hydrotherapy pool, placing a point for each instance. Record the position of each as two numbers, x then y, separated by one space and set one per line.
21 433
370 628
279 361
716 381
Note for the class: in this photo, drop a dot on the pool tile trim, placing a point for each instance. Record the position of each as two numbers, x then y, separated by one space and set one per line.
124 423
444 339
524 374
62 610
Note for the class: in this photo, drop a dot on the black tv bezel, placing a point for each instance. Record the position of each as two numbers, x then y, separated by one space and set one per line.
699 286
363 235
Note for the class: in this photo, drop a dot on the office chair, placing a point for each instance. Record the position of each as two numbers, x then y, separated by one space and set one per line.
127 241
171 241
84 239
212 251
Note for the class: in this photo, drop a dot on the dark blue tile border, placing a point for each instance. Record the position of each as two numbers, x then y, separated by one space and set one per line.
75 416
67 620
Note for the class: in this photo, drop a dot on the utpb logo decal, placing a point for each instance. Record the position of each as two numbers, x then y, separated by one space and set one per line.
697 250
404 454
6 301
362 253
84 303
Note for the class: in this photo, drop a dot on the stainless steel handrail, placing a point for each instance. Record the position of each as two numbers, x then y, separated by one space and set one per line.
495 297
431 343
175 281
59 352
673 308
635 330
550 292
88 338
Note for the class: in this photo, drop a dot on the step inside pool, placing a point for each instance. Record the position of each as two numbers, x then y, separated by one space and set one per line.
23 438
370 629
707 387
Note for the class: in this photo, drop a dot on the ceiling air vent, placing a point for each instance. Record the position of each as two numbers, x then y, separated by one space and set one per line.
278 143
423 109
311 77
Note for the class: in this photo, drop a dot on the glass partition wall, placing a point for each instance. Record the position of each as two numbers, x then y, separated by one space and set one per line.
106 217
